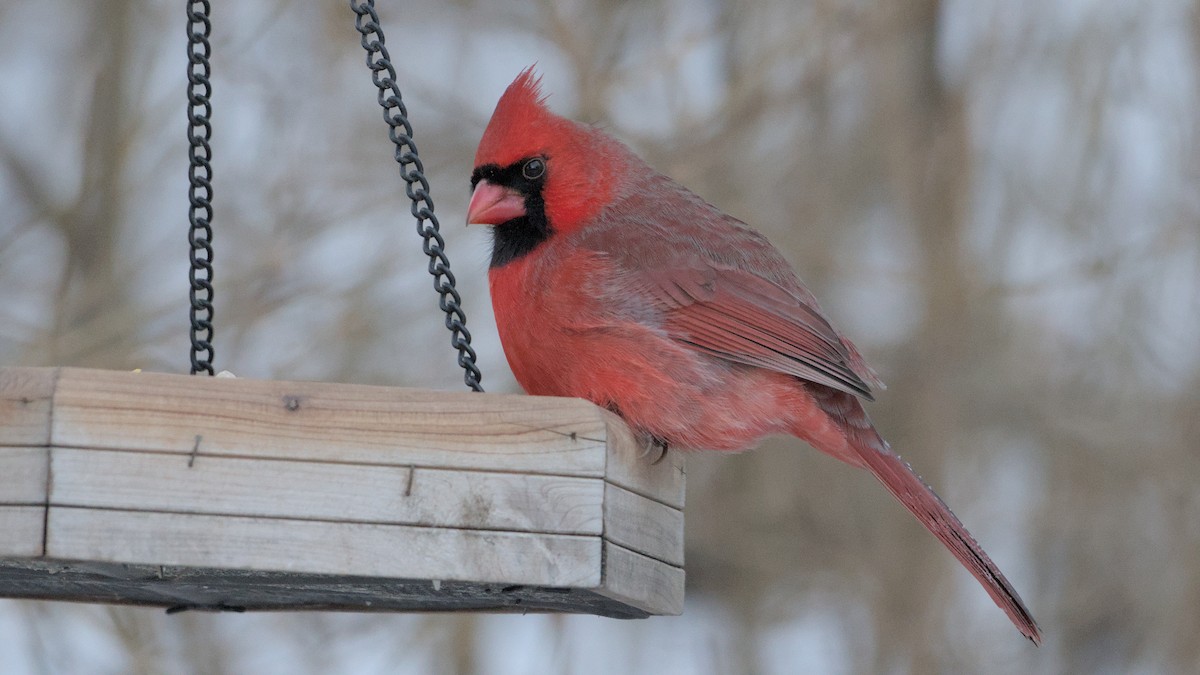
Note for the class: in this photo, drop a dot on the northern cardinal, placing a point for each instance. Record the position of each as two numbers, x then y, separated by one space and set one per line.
613 283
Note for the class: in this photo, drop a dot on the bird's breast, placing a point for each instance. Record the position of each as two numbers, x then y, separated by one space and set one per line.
543 314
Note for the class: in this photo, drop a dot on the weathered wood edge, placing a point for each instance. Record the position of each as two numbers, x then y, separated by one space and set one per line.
211 590
643 517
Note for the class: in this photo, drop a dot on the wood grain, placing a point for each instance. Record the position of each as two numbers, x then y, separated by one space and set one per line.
23 475
643 582
327 422
21 529
322 491
318 547
643 525
26 397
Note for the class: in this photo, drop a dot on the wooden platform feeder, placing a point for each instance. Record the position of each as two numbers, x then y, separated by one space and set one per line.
213 493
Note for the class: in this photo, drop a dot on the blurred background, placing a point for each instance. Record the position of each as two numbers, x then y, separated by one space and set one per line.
999 200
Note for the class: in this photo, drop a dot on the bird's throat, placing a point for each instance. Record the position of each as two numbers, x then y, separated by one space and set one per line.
519 237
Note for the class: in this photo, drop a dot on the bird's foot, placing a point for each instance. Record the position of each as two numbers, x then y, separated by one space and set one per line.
655 445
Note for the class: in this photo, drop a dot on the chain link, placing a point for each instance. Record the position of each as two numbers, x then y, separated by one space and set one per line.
200 210
400 131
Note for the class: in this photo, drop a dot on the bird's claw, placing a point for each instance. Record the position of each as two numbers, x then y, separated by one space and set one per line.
653 443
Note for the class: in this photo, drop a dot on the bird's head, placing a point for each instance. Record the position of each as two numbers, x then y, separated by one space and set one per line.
536 173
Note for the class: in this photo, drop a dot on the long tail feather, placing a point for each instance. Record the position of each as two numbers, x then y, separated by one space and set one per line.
906 486
916 496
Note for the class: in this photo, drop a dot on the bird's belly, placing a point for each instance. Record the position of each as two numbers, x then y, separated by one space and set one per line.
661 387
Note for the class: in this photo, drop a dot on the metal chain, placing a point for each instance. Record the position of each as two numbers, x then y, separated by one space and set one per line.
200 210
400 131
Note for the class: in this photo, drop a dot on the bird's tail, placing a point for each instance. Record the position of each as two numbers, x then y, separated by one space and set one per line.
907 487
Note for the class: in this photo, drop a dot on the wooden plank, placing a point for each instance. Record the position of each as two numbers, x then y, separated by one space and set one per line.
26 396
319 547
21 530
639 581
643 525
317 490
327 422
632 465
23 475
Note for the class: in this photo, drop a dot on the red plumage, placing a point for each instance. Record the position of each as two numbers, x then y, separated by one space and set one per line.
613 283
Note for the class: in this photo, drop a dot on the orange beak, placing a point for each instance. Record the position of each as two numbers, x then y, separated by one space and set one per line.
494 205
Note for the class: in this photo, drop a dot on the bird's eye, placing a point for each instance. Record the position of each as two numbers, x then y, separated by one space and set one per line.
533 169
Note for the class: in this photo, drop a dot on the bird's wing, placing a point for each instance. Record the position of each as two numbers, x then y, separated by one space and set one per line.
741 317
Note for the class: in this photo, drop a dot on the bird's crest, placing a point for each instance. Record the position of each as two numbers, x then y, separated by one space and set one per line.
524 91
519 124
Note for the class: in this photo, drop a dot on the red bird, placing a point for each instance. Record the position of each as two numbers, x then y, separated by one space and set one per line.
612 282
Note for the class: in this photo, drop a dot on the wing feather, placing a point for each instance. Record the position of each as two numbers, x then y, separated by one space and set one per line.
716 284
743 318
